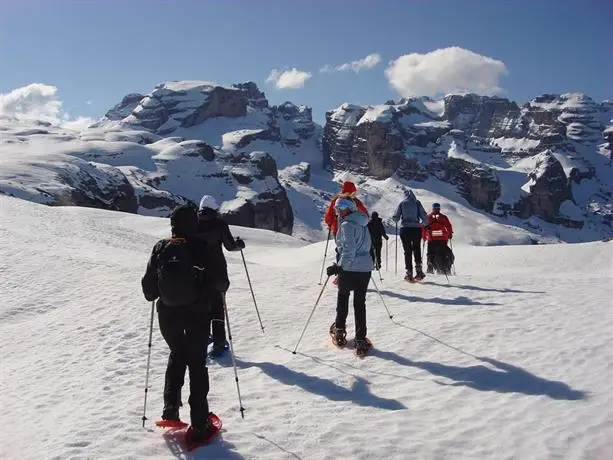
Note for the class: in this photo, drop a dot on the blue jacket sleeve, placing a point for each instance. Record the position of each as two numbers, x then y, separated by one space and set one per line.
347 247
398 213
423 215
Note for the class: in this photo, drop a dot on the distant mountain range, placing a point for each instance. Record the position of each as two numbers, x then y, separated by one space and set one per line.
543 168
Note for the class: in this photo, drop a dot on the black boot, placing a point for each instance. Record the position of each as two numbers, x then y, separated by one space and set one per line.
171 413
339 336
201 434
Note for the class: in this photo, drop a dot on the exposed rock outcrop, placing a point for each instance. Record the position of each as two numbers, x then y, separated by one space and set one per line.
468 140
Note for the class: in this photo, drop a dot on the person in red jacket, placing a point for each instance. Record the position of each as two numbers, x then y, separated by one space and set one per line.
439 256
348 190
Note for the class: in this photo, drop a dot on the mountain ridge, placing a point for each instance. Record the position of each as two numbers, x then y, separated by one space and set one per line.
539 166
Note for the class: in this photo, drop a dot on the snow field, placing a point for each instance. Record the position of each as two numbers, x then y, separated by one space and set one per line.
512 359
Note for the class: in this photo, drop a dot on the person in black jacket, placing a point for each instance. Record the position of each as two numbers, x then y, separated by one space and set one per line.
215 232
184 328
377 233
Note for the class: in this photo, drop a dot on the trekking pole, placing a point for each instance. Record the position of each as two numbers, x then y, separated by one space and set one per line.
383 301
323 264
252 294
396 256
311 315
386 256
453 264
238 388
148 362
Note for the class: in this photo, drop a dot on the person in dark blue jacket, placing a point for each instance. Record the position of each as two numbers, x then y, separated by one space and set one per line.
412 216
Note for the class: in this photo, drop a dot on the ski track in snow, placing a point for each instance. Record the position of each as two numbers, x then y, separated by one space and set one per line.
511 360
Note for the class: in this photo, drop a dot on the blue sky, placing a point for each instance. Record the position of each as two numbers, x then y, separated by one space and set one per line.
95 52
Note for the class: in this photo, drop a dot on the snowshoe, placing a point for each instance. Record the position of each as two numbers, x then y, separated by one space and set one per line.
409 278
178 424
339 336
420 275
362 346
196 436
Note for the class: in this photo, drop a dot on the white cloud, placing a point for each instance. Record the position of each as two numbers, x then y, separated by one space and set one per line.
38 101
288 79
368 62
445 70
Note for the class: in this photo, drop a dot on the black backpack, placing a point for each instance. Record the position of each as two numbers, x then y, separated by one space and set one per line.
180 278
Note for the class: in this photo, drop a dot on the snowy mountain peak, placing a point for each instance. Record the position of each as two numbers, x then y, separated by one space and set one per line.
488 148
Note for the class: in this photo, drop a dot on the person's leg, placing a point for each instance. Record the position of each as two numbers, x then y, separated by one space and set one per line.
430 257
342 300
406 246
416 245
359 304
171 327
378 244
217 319
196 335
415 237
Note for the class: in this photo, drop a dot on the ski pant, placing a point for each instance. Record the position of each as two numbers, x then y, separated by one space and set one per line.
358 283
375 251
437 255
218 323
411 243
185 330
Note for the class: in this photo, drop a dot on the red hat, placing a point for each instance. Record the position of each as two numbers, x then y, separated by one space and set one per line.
348 187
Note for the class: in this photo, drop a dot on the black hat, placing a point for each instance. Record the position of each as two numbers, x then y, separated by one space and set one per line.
184 221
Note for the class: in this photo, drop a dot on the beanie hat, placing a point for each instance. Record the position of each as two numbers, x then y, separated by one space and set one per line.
436 206
348 187
184 221
208 202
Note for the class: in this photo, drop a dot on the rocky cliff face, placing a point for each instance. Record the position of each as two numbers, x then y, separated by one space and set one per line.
153 152
484 145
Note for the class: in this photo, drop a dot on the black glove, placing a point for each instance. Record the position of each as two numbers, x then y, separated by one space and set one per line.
240 244
386 237
334 270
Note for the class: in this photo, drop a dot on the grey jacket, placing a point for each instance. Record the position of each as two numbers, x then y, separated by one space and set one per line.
410 211
353 243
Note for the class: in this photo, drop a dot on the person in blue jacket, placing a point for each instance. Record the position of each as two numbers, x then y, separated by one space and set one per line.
412 215
353 269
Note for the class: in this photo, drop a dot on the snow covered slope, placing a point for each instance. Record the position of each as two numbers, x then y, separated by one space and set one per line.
153 152
512 359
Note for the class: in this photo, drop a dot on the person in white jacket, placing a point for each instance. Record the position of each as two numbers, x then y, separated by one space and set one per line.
353 269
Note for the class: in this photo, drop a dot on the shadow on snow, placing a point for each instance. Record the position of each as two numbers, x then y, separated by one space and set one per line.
358 394
217 449
482 289
458 301
505 378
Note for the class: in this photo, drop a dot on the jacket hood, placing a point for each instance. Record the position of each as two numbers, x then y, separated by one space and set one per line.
348 187
357 218
409 196
184 221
